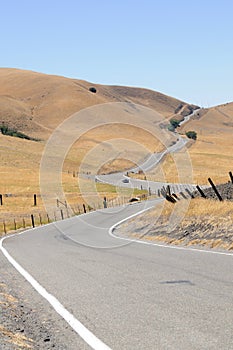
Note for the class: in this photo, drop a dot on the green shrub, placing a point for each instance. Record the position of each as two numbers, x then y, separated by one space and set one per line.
174 123
5 130
93 89
191 135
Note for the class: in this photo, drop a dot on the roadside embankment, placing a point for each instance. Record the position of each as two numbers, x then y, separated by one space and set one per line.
205 222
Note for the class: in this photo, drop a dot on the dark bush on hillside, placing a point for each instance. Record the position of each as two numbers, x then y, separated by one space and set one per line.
174 123
179 108
191 135
5 130
93 89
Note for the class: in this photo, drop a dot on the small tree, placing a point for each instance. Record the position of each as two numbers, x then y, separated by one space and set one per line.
93 89
174 123
191 135
4 129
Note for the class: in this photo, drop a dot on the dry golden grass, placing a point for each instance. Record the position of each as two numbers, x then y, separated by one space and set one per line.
8 298
112 147
210 155
167 171
205 207
18 187
198 209
204 222
36 104
16 339
8 302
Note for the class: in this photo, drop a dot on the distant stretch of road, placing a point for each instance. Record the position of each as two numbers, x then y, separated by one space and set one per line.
119 179
118 294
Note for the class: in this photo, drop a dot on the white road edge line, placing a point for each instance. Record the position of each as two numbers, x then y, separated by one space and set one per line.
77 326
112 228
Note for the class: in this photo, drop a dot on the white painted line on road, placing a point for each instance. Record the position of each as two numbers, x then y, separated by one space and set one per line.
112 228
77 326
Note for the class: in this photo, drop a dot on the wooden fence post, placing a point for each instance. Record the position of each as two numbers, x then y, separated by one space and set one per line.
32 219
170 198
62 216
168 190
215 189
231 176
200 191
40 219
15 227
1 202
163 192
175 196
84 208
4 227
105 202
35 200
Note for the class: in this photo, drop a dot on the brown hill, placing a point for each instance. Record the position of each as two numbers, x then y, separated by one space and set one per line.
211 154
36 103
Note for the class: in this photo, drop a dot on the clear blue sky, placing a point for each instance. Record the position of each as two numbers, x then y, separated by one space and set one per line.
183 48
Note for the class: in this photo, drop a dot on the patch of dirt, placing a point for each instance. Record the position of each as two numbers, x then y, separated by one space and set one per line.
20 326
26 321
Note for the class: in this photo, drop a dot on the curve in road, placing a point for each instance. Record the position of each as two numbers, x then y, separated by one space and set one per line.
129 295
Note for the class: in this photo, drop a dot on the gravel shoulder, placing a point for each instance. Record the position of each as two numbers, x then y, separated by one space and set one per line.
26 320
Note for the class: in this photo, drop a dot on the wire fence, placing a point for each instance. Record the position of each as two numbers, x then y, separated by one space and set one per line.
22 211
19 212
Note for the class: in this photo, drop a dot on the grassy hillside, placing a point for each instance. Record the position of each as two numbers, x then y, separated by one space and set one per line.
35 104
210 155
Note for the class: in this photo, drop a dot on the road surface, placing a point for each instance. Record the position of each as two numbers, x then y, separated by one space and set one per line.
128 295
118 179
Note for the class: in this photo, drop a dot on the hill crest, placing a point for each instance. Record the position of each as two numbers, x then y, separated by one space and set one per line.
36 103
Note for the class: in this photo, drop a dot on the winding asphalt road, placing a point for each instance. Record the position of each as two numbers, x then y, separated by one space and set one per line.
118 179
120 294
